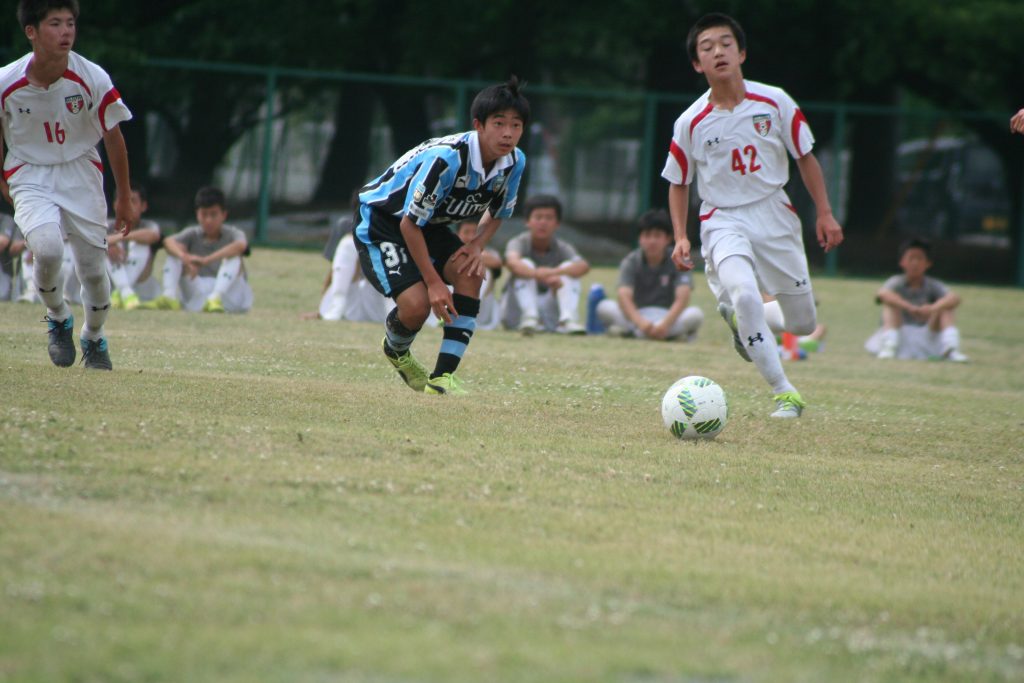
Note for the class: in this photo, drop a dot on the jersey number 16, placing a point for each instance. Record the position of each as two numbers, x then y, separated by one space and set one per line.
56 134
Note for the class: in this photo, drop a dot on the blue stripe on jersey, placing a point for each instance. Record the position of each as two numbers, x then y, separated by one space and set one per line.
435 183
362 232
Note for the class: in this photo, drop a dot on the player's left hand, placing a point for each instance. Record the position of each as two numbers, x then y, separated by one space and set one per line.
830 233
124 218
1017 122
472 258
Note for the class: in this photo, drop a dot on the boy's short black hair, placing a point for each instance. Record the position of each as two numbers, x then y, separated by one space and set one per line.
655 219
495 98
140 189
921 243
31 12
210 196
544 201
711 21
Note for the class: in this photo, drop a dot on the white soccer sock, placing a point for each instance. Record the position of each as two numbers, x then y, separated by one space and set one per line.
568 296
950 339
47 245
343 272
172 276
92 272
773 317
737 275
227 273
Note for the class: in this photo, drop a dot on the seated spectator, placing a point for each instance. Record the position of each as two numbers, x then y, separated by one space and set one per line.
10 254
917 311
204 269
347 295
130 257
653 296
543 292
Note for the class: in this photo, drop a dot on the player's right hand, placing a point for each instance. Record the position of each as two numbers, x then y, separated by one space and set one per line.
441 302
681 255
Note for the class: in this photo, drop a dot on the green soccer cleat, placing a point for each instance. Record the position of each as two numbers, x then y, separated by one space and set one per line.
130 302
729 316
95 355
788 405
213 305
409 369
445 384
161 303
62 343
115 300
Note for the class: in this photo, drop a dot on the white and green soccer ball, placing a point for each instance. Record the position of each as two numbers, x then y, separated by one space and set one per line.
695 408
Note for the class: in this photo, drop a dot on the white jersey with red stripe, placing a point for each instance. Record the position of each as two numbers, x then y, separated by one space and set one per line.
739 156
48 126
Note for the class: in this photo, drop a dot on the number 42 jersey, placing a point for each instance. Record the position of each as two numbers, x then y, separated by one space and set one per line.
47 126
739 156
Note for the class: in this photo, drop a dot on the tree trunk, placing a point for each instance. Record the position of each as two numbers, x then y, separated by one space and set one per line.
348 158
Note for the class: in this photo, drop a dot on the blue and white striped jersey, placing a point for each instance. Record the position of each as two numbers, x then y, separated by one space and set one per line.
442 181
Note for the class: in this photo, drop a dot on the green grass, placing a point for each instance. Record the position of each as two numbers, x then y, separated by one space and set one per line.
260 498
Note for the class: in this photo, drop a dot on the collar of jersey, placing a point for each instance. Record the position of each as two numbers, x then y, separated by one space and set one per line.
477 161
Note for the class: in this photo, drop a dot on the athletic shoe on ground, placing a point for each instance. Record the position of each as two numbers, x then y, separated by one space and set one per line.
528 326
409 369
954 356
887 353
62 343
95 355
788 404
115 300
570 327
729 316
445 384
162 303
213 305
131 302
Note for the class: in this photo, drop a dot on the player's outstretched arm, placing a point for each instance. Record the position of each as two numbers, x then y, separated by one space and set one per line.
117 155
830 233
679 207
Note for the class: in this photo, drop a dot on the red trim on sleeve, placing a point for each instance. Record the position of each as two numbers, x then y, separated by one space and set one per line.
700 117
72 76
789 206
680 157
8 174
762 98
108 99
20 83
798 118
708 215
97 165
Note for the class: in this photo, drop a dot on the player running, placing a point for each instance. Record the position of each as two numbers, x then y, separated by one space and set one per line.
407 249
56 106
736 138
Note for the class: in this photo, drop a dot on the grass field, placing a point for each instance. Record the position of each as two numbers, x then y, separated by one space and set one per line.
259 498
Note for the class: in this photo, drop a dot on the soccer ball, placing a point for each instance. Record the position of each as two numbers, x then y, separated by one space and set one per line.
695 408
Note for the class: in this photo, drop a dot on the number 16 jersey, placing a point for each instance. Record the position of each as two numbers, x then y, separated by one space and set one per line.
48 126
740 156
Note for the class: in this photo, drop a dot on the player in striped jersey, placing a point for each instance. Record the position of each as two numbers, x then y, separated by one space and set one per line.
55 107
407 248
737 139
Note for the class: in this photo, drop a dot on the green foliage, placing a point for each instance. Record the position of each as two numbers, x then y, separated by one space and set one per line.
259 498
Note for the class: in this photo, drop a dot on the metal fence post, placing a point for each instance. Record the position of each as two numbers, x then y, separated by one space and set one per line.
839 141
647 152
263 214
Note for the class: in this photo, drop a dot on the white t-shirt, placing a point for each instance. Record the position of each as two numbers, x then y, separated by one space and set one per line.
739 156
47 126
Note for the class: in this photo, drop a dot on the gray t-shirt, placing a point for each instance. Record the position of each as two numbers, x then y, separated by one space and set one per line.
930 291
652 285
559 251
195 242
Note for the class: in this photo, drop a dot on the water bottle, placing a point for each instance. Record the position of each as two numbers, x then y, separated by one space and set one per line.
594 325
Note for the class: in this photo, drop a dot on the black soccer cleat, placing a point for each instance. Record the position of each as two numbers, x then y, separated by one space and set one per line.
95 355
62 343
